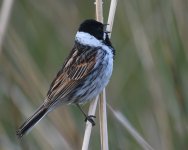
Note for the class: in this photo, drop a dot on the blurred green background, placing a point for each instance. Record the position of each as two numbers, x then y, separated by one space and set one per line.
149 83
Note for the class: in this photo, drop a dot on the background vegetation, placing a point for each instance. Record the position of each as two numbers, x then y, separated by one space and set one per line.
149 83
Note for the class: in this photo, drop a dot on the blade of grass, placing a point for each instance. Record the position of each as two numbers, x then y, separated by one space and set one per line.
29 77
124 121
4 18
46 130
143 48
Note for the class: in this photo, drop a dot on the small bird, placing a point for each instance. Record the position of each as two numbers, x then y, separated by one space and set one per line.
84 74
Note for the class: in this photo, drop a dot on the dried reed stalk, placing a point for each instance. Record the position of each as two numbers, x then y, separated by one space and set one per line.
102 104
93 105
87 134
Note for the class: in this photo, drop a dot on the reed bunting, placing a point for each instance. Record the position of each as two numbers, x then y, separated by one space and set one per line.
85 73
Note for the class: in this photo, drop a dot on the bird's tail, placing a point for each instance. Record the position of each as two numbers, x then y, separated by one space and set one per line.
31 121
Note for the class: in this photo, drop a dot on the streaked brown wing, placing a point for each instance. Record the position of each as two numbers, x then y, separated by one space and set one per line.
77 66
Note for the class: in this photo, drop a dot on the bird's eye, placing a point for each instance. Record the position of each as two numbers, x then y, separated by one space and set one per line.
100 30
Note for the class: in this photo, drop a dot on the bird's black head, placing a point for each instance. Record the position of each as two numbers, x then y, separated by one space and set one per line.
92 27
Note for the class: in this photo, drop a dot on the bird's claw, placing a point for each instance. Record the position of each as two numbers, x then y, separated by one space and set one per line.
89 118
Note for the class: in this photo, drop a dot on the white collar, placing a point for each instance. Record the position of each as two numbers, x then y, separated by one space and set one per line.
87 39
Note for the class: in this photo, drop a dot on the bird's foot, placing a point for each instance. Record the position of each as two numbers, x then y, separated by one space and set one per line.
89 118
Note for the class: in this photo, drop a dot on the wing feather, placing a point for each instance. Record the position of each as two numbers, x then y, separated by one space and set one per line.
78 65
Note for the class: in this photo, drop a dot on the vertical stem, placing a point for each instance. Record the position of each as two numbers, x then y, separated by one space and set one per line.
99 10
93 105
102 102
103 121
111 16
87 134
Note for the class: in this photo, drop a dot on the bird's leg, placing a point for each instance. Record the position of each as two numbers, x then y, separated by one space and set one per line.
87 118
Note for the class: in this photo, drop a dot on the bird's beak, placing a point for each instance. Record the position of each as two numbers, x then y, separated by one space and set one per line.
105 26
105 31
